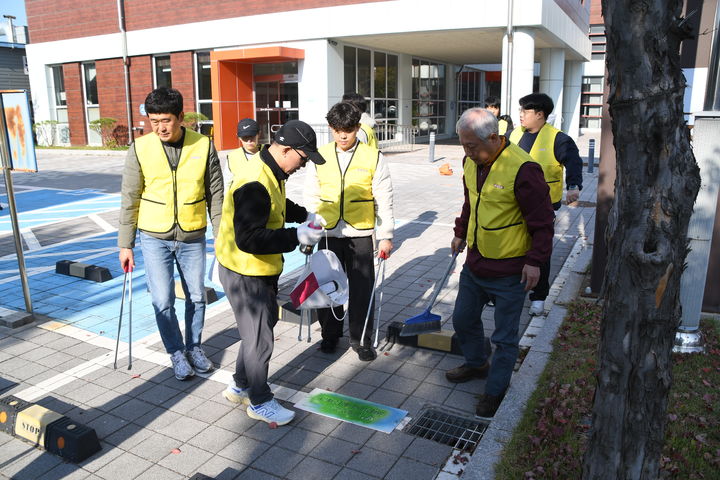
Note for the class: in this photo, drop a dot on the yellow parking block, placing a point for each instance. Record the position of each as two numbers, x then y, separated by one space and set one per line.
32 423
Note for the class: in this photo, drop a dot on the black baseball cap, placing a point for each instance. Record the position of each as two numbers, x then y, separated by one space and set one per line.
301 136
247 127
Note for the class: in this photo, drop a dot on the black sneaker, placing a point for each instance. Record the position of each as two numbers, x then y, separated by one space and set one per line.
488 405
365 354
328 345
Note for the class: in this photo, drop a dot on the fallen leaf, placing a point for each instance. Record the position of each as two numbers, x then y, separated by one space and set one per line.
137 375
175 451
386 354
355 452
273 425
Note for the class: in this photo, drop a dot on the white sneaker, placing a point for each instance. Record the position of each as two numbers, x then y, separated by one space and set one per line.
199 360
537 308
182 368
271 412
236 395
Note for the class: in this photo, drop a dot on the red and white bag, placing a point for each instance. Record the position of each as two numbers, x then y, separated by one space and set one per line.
322 283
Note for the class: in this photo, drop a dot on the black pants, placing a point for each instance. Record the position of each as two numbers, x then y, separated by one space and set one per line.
356 257
254 303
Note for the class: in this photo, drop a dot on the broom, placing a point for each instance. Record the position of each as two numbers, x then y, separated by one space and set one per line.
427 321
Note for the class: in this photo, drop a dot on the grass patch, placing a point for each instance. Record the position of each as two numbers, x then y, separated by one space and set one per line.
550 440
81 147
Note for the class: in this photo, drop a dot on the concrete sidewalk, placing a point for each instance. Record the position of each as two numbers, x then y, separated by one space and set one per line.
141 415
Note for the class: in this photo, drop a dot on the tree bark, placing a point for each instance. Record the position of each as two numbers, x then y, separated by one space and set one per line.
657 182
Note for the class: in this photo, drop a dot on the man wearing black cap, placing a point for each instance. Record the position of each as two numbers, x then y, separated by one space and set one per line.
249 137
249 250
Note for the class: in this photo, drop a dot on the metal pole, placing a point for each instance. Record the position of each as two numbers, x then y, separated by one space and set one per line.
508 80
431 148
126 71
591 156
5 154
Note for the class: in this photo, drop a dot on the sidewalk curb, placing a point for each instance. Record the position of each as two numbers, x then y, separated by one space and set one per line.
539 337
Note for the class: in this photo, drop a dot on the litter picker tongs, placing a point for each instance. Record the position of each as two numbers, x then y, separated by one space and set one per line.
127 278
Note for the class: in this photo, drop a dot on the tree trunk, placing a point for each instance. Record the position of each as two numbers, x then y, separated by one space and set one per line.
657 182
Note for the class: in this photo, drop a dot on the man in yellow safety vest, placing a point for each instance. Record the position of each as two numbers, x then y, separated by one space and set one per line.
171 181
507 224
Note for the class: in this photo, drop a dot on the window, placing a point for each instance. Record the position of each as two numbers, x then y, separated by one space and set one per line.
204 84
92 109
598 40
61 133
373 75
470 90
591 102
428 96
163 72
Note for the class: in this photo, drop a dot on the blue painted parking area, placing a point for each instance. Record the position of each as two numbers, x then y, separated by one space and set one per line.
44 206
86 304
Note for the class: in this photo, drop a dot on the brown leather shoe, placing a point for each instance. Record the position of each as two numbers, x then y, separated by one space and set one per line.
463 373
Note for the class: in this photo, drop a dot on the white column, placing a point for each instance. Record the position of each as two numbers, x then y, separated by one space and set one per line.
552 73
571 99
518 73
405 89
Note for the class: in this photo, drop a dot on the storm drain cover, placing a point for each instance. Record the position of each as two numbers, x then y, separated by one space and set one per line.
459 432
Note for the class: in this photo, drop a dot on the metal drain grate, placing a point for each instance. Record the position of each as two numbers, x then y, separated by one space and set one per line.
449 429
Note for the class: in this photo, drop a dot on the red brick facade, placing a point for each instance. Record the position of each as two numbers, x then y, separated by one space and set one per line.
75 103
111 95
183 77
111 92
50 20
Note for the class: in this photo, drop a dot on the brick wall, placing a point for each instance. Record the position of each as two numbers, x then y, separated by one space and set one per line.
50 20
111 95
111 92
75 103
141 83
183 77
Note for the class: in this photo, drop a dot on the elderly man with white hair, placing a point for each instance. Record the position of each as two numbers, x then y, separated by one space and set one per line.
507 225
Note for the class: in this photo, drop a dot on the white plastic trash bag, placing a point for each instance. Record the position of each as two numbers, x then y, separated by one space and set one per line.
322 283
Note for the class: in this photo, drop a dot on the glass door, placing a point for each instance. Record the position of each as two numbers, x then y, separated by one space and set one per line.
276 102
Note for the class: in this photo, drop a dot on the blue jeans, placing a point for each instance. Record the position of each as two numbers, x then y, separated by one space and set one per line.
473 293
160 257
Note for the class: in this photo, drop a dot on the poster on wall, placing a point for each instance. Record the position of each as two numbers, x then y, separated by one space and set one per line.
19 134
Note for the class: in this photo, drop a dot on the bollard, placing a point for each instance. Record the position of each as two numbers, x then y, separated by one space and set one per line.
591 156
431 148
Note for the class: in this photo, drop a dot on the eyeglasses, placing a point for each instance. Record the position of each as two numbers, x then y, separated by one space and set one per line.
304 159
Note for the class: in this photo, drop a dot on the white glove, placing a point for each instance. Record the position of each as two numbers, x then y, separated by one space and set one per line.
315 218
309 235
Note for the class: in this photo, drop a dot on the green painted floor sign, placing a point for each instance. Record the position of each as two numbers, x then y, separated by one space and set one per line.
353 410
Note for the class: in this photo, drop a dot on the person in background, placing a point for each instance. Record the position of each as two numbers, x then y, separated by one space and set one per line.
249 136
556 153
249 249
506 223
353 192
505 123
171 181
366 134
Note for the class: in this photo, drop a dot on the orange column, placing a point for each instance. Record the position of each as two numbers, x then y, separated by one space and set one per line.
232 96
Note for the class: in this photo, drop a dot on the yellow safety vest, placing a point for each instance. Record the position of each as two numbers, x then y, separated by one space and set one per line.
348 195
237 158
171 197
543 152
496 226
372 139
502 127
226 250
